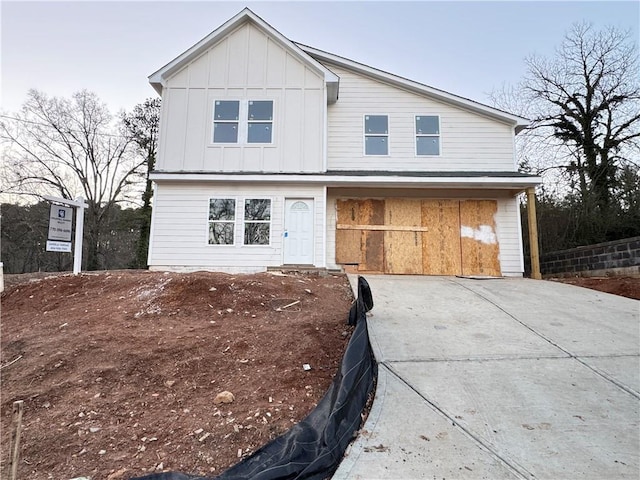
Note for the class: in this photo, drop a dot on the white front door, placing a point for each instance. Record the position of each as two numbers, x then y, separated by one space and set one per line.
298 231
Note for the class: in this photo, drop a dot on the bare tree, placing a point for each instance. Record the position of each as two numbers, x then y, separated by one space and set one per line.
588 98
143 124
70 148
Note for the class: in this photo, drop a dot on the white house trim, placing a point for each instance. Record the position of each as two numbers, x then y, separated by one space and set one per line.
159 78
502 182
518 122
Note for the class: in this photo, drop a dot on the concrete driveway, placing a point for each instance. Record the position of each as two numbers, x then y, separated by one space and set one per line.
500 379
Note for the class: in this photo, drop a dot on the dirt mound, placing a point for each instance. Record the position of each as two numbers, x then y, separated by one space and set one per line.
623 286
119 370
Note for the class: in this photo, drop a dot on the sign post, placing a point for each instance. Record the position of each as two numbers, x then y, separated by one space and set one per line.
60 221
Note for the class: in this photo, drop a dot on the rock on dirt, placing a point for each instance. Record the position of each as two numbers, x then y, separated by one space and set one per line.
123 386
224 397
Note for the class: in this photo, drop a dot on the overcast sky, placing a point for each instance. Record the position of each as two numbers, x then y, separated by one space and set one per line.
466 48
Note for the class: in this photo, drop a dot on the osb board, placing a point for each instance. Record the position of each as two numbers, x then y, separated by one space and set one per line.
479 240
403 250
403 211
347 241
371 212
441 242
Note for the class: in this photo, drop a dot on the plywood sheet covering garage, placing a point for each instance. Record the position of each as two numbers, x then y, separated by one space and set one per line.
478 237
371 212
418 236
403 249
348 242
441 254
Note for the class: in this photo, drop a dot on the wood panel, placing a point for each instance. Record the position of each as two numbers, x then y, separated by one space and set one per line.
403 250
348 241
372 241
441 254
479 241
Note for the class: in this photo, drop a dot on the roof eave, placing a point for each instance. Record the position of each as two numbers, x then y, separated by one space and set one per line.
519 123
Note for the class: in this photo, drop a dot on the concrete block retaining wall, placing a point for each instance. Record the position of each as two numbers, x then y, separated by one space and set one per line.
620 257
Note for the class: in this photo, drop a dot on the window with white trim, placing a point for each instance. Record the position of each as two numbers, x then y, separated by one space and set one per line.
222 221
226 115
257 221
243 122
376 135
427 135
260 121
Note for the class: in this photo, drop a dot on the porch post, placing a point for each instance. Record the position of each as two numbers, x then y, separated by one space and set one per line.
533 233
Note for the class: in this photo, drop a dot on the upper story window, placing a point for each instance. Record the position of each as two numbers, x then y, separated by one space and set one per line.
427 135
260 121
222 221
376 135
240 122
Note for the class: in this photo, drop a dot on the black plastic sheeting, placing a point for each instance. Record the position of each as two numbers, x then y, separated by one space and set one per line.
313 448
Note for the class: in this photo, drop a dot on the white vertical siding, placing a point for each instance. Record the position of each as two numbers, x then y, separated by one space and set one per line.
509 237
468 141
180 226
245 65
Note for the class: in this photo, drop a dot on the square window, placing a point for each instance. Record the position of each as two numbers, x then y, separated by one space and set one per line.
376 124
222 209
257 209
227 110
256 233
261 110
376 146
427 125
428 145
221 233
225 132
259 132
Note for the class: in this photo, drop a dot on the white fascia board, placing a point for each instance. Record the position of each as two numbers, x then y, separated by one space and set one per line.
518 122
507 183
158 78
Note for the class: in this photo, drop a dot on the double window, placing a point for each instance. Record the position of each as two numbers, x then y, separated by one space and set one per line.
236 121
256 221
427 135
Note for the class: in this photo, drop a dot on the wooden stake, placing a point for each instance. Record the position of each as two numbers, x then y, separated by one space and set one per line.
533 233
15 439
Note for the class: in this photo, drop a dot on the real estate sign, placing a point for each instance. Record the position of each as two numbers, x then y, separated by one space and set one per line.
60 228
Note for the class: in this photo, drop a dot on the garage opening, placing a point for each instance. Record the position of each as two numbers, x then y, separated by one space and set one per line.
418 236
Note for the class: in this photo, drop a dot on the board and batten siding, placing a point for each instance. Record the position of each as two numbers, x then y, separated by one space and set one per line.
507 219
180 227
468 141
245 65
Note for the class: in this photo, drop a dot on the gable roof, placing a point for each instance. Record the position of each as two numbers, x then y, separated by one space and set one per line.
316 58
158 78
421 89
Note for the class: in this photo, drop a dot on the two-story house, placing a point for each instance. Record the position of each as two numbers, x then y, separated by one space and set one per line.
273 153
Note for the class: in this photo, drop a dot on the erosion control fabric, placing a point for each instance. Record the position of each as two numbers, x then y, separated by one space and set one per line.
313 448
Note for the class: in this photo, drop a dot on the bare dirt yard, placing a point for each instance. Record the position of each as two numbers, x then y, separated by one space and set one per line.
623 286
119 370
